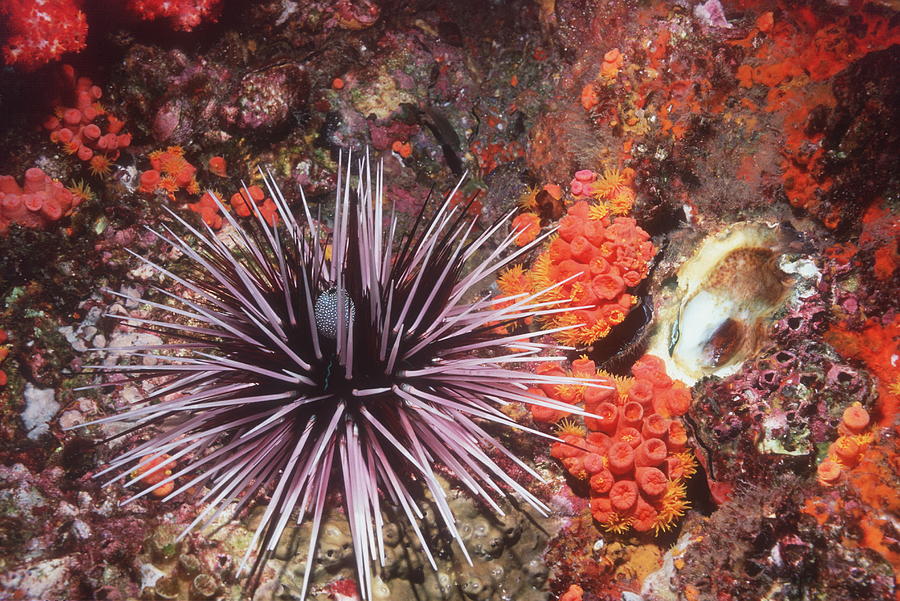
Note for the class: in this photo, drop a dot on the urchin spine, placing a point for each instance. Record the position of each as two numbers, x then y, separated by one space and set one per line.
305 372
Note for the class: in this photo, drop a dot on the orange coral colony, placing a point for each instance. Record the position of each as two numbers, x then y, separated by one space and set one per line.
597 260
76 128
845 452
632 451
176 173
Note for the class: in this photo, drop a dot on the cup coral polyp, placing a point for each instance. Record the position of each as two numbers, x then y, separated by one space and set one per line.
632 451
244 201
607 257
39 202
174 171
208 210
79 128
152 472
529 226
845 452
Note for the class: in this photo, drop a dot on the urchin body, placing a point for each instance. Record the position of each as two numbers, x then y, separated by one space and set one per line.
306 362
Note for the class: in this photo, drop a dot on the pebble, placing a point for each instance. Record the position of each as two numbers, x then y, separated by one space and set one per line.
70 419
81 529
40 407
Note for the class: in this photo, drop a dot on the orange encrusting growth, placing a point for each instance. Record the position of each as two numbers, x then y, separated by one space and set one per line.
867 496
794 57
877 344
154 478
632 452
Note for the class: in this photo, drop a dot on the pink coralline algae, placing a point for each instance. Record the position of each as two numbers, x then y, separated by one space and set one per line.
268 97
184 15
40 31
78 128
39 202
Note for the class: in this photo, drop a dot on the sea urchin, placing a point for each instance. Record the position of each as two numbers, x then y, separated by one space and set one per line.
304 363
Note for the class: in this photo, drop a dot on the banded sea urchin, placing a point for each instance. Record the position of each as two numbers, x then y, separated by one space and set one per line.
305 363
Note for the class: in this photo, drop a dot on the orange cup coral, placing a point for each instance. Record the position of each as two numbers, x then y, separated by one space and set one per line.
845 452
528 225
604 259
632 451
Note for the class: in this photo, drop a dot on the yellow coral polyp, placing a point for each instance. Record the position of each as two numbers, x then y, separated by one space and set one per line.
570 393
616 524
539 274
168 183
99 165
513 281
688 464
599 210
528 201
612 183
623 202
81 189
673 505
569 426
580 336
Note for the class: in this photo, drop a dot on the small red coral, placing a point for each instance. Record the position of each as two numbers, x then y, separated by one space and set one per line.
184 15
208 210
149 181
218 166
153 472
40 31
241 202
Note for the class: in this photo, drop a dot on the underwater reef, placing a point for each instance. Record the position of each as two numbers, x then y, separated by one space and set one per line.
689 348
